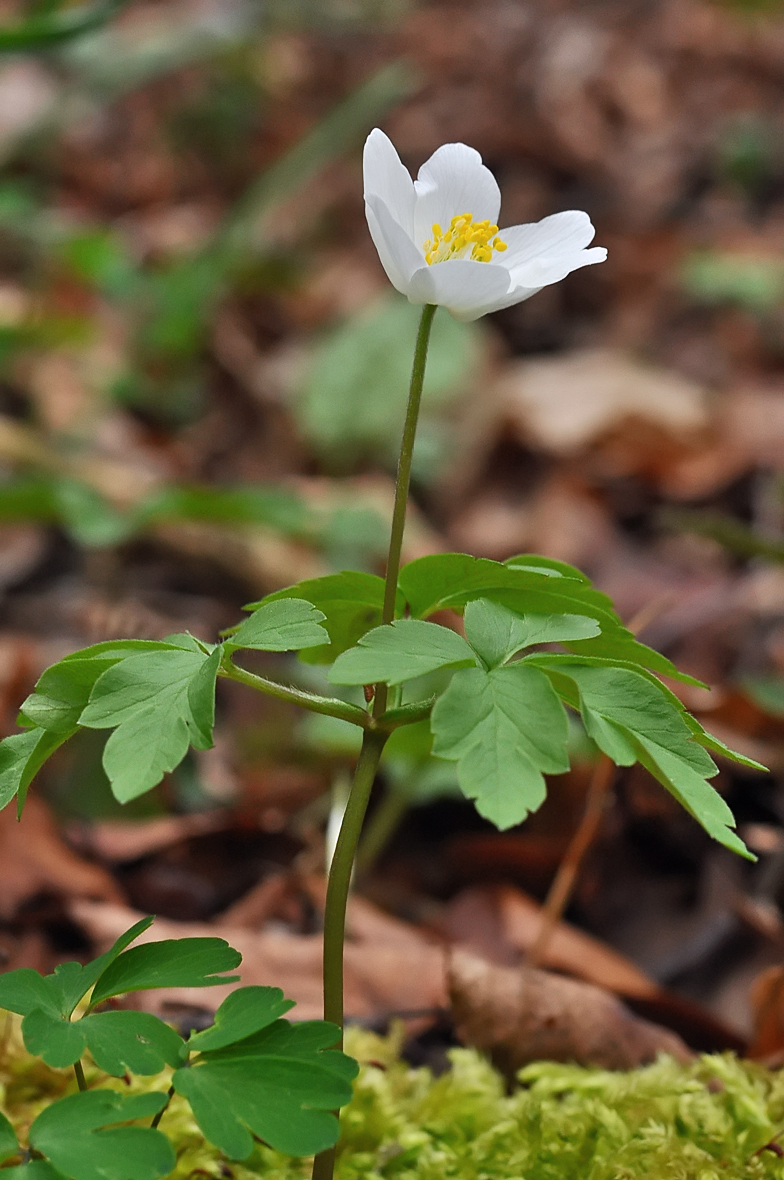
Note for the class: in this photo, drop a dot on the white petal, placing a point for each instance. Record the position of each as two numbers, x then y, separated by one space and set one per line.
399 256
541 272
528 280
386 177
454 180
465 288
561 233
516 294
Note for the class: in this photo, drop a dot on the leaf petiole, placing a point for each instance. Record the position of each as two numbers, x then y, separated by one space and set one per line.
406 714
330 706
157 1118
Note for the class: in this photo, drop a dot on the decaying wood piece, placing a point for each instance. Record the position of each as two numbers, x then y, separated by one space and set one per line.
521 1014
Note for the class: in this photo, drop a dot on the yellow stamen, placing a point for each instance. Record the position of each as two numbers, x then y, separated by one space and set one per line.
465 238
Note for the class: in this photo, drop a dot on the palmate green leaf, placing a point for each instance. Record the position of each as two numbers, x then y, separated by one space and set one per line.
145 699
409 648
246 1011
21 757
79 1137
281 1084
529 585
60 1042
632 718
25 990
505 728
63 690
351 602
122 689
717 746
118 1041
496 633
173 962
62 693
700 735
401 651
285 624
201 701
135 1042
51 714
72 985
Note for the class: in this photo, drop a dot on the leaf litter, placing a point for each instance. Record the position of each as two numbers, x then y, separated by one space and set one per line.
125 506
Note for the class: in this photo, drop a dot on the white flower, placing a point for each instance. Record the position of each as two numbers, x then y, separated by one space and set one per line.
438 240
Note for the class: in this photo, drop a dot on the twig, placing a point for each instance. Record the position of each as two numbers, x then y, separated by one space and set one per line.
601 781
561 888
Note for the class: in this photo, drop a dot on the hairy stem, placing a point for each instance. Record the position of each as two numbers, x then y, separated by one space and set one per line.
331 706
81 1081
403 481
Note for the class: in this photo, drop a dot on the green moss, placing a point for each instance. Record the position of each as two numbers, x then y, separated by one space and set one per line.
710 1121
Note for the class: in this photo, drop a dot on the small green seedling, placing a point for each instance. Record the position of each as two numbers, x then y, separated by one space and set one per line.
250 1075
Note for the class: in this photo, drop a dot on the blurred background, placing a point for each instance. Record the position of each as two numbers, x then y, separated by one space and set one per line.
203 373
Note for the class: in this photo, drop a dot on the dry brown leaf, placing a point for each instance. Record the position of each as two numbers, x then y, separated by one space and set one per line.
562 519
124 840
271 898
521 1014
767 1004
34 860
391 971
502 923
564 404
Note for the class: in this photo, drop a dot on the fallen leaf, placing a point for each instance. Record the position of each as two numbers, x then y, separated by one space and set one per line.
518 1015
566 403
125 840
502 924
767 1004
562 519
35 860
389 967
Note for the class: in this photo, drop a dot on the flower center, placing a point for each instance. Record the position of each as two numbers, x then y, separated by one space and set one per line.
465 238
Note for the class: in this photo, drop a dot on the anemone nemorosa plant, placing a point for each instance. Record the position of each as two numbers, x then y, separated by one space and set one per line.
537 640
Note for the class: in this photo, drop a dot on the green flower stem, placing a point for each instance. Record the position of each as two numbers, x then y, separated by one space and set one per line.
376 730
337 899
404 462
331 706
404 480
81 1081
340 874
